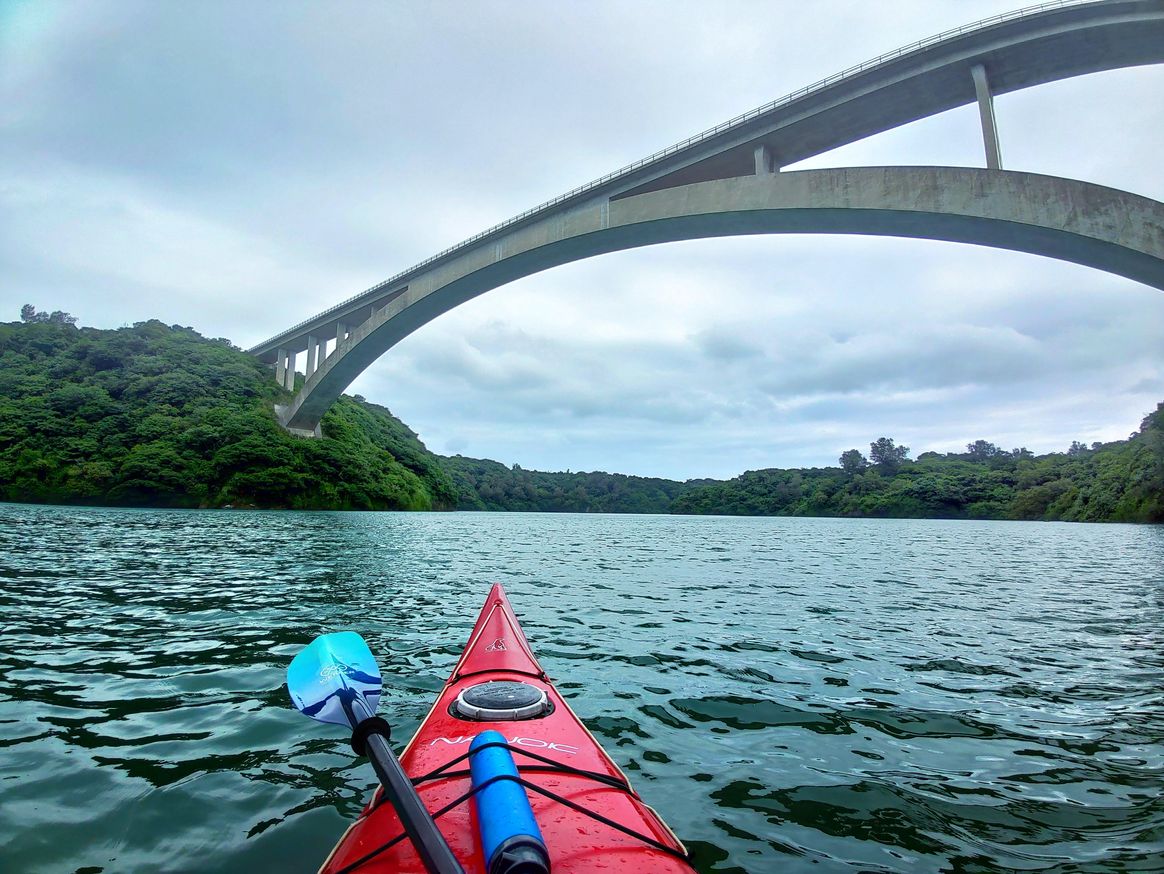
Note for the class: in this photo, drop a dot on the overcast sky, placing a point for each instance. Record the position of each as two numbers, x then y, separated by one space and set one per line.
238 167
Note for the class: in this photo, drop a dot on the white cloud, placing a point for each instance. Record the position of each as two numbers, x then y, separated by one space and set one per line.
241 168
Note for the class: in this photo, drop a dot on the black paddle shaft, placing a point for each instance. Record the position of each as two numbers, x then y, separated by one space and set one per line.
430 844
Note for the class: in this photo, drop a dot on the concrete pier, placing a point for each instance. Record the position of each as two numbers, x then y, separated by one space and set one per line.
986 114
312 355
762 159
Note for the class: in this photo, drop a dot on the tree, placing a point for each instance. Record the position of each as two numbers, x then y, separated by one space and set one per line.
1076 448
886 455
982 450
29 314
853 462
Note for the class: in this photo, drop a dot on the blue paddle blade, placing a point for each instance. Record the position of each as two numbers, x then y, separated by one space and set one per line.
330 673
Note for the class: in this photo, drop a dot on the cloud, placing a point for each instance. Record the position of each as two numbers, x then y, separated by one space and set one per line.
241 167
722 343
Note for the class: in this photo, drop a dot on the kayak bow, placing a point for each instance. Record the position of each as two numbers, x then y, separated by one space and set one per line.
581 812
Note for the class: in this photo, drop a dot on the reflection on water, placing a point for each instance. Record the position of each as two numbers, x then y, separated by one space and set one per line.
791 694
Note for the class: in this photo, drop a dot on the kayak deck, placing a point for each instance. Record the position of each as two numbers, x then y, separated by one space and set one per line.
498 651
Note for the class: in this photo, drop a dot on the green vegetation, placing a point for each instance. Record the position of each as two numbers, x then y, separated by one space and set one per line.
160 416
489 485
1113 482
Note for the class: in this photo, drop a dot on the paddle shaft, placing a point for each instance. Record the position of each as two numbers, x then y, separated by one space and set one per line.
430 844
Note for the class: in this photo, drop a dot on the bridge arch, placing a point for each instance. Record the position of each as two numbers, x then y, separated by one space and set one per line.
1088 224
726 181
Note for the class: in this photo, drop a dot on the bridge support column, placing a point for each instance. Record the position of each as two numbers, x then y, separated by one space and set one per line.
289 371
986 113
312 355
762 156
281 367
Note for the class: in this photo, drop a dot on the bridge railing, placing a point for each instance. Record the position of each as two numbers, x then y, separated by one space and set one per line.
703 136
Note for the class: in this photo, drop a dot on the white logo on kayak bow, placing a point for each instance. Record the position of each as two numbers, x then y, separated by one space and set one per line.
532 742
497 645
330 672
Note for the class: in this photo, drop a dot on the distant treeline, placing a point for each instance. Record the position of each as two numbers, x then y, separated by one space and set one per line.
1113 482
160 416
489 485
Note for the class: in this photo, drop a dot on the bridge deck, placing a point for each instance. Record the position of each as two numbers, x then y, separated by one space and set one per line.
1018 50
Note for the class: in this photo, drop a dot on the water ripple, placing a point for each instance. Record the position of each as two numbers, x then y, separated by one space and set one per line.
791 694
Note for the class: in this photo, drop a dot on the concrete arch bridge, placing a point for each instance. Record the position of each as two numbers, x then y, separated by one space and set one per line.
728 181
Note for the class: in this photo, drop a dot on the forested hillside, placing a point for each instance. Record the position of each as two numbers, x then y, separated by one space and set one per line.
1114 482
489 485
160 416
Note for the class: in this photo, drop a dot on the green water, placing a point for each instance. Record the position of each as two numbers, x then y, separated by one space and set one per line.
790 694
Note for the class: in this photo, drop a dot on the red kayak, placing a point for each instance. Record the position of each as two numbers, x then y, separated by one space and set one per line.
590 817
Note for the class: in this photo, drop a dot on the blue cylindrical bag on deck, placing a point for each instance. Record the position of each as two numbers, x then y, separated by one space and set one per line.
510 837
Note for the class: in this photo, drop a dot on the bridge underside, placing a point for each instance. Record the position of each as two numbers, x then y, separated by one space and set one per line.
1088 224
721 182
